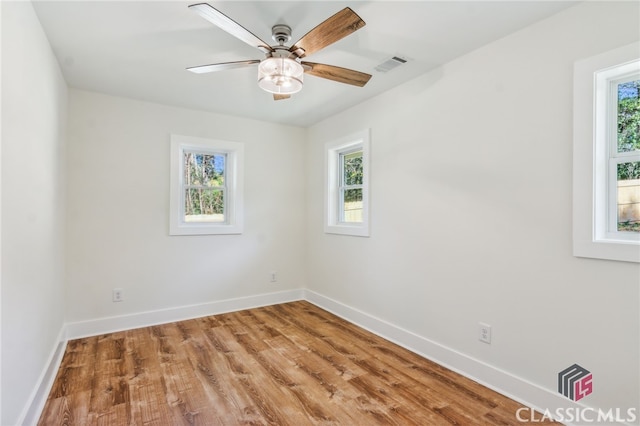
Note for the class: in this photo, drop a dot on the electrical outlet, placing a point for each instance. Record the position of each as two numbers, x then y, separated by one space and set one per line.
118 295
273 277
484 332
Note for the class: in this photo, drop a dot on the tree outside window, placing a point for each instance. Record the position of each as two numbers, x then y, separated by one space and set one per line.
204 186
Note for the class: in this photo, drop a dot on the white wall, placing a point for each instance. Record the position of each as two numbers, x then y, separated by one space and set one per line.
34 105
471 212
477 153
118 210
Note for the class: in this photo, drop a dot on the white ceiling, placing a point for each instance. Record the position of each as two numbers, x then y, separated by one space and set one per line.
140 49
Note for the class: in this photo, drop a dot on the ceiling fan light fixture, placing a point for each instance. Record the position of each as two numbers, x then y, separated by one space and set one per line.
281 76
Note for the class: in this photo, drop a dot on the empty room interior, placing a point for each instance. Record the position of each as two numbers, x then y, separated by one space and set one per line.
456 180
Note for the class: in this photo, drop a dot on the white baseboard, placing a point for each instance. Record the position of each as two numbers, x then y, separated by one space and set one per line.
517 388
31 413
76 330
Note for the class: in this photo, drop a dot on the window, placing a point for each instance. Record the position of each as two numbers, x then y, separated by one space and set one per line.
206 186
350 186
347 189
607 155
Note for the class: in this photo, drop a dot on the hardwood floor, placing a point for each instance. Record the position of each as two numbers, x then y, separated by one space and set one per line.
289 364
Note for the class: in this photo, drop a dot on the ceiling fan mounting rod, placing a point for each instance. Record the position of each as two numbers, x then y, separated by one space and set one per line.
281 34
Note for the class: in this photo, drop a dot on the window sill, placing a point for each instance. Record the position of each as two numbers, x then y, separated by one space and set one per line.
200 229
609 249
353 230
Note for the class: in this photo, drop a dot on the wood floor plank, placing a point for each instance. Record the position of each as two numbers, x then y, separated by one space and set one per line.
231 402
265 391
290 364
74 376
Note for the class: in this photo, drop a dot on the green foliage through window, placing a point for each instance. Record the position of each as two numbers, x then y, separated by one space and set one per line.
352 174
204 179
629 126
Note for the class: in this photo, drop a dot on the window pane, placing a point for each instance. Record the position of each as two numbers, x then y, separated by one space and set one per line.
629 116
352 168
204 169
352 205
629 196
203 205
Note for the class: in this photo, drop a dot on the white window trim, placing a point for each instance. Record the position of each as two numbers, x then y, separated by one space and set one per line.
591 237
332 223
234 167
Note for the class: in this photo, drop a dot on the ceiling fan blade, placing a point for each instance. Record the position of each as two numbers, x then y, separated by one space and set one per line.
201 69
333 29
342 75
221 20
277 97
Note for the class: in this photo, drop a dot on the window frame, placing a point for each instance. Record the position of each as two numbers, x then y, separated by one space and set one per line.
595 156
333 214
233 183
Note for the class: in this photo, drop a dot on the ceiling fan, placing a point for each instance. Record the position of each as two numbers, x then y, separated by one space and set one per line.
282 70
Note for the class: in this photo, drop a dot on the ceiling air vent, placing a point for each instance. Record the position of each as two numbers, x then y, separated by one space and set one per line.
390 64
